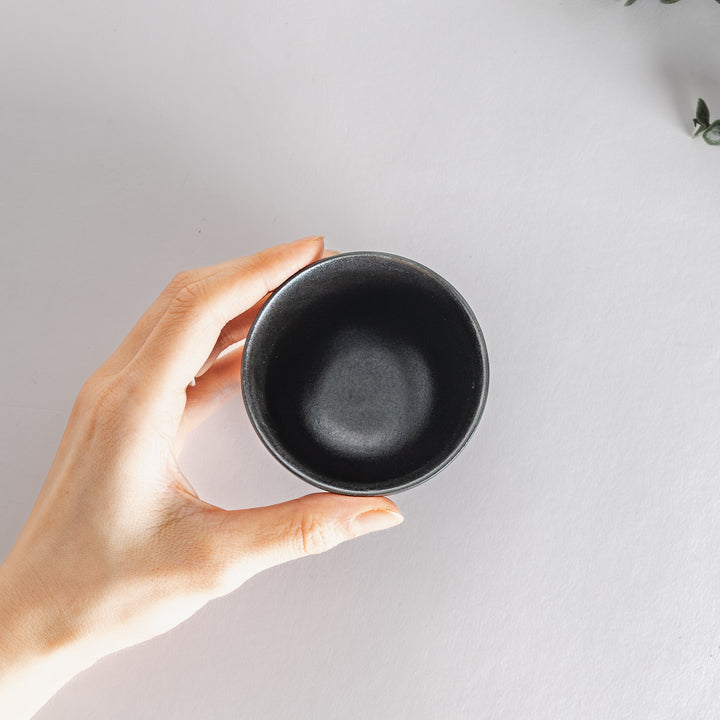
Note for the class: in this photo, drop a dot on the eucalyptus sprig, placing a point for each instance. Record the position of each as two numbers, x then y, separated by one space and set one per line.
664 2
710 130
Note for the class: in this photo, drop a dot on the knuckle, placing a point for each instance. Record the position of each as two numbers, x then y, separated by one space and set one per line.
191 296
100 409
196 303
98 395
86 397
256 266
310 535
182 279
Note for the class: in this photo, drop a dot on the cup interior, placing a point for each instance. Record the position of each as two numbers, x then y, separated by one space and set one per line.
365 373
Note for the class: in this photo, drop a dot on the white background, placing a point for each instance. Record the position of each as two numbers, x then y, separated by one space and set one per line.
536 154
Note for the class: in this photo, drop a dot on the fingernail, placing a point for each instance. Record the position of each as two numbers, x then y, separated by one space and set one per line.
372 520
309 237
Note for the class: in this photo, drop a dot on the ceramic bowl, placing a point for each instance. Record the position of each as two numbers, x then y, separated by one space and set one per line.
365 373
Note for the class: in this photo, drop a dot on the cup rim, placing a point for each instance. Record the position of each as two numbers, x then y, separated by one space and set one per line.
251 401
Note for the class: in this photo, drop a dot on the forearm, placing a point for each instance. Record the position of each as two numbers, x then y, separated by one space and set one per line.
39 649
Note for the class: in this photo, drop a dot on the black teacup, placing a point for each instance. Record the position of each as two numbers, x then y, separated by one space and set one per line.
365 373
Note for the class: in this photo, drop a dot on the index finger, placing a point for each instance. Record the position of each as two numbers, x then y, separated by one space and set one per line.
182 340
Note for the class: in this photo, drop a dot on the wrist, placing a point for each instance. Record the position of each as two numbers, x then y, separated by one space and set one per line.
40 647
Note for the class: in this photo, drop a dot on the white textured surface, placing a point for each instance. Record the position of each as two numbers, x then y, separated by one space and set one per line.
567 564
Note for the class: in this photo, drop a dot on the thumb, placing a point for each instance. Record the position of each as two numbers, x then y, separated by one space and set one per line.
259 538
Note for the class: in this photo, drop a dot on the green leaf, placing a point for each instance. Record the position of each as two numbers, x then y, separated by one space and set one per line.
702 114
669 2
630 2
712 134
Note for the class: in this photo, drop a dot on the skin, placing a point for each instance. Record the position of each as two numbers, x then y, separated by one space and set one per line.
119 548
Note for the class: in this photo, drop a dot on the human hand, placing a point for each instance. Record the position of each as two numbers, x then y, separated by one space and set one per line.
119 547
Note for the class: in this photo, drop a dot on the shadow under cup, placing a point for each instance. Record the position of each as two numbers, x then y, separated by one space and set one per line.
365 373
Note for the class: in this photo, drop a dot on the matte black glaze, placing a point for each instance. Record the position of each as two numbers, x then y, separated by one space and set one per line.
365 373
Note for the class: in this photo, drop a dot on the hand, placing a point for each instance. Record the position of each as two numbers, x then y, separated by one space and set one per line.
119 547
